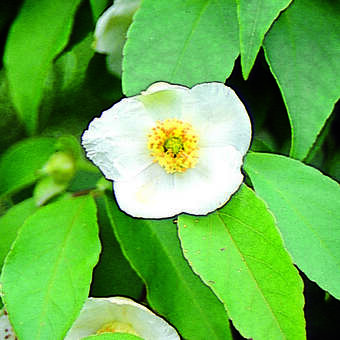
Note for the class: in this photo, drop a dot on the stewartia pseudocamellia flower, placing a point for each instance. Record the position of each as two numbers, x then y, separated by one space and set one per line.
172 149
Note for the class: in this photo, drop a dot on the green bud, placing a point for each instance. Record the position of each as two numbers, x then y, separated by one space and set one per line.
61 167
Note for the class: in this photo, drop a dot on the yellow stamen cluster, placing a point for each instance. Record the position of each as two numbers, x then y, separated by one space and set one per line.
117 326
174 145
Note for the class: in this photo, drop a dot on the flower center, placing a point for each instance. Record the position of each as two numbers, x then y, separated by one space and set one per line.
117 327
173 144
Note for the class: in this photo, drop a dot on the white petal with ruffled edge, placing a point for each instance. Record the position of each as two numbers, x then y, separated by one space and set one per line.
117 141
97 312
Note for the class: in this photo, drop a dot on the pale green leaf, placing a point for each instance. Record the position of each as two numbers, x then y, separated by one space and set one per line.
173 290
183 42
47 274
306 205
11 222
19 165
238 252
303 52
38 34
255 18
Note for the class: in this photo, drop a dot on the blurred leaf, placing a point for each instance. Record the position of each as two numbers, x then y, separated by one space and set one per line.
113 336
19 164
198 44
11 222
10 128
334 170
303 51
306 205
47 274
113 275
238 252
173 290
38 34
255 18
258 144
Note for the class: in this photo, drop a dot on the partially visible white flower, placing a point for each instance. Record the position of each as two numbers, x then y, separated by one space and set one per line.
6 330
119 314
111 29
172 149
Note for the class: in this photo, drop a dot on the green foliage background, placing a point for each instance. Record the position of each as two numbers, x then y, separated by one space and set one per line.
268 261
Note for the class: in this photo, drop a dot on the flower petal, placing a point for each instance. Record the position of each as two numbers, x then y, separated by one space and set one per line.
153 193
6 330
219 116
100 311
112 25
150 194
163 101
117 141
211 183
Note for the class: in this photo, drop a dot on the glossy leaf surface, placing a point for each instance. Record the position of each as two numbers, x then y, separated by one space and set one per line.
306 205
238 252
57 246
198 44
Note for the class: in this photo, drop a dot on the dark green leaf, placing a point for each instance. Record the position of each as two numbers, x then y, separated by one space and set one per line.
37 35
113 275
306 205
183 42
238 252
47 274
173 290
303 52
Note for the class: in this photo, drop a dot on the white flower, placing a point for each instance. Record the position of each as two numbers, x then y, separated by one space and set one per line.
111 29
172 149
119 314
6 330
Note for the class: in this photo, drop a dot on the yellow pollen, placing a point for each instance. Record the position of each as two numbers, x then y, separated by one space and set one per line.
174 145
117 327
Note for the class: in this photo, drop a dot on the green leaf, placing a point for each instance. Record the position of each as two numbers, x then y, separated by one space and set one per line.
113 336
173 290
38 34
238 252
98 7
19 165
113 274
255 18
183 42
11 222
303 51
47 274
306 205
